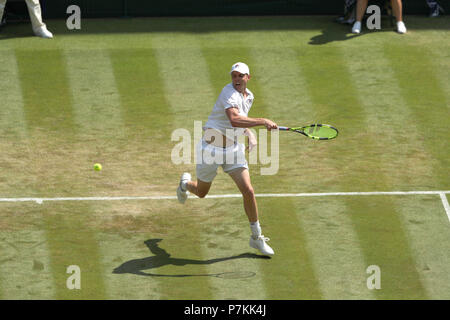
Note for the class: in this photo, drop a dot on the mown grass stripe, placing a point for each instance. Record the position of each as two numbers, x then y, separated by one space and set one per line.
97 110
282 109
399 145
25 257
234 269
14 145
385 244
194 100
25 263
48 102
441 67
187 90
429 238
290 273
148 121
423 93
380 219
145 110
120 247
186 81
45 91
219 62
12 118
146 254
334 248
72 242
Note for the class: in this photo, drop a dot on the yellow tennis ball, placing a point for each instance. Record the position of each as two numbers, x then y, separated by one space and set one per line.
97 167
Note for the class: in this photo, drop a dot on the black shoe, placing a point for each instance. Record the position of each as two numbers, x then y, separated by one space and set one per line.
345 20
340 19
434 12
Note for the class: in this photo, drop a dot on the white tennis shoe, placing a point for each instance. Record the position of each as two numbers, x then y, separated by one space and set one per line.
182 193
356 27
43 33
260 244
401 28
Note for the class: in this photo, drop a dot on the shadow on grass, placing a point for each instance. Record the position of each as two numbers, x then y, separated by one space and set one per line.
15 30
330 35
162 258
341 32
331 31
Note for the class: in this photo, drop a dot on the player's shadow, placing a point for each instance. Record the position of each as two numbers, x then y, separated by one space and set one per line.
162 258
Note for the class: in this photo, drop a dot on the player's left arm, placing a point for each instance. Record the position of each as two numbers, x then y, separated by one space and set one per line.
241 121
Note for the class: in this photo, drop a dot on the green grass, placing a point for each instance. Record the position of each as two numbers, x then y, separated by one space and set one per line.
114 92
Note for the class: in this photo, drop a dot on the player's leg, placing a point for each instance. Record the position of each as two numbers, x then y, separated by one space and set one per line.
199 188
361 7
39 27
206 172
397 9
241 177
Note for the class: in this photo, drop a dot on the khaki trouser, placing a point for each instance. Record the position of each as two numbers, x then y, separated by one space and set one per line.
34 9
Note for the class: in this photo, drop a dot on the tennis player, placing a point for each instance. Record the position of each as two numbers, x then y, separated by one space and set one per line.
227 121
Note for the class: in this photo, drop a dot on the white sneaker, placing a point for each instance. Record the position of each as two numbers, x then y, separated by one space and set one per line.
356 27
261 245
401 28
182 194
43 33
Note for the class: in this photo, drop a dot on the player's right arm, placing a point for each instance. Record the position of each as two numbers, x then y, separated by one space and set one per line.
240 121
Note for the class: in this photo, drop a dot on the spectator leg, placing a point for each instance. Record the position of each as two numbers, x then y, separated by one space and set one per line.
397 9
34 9
361 7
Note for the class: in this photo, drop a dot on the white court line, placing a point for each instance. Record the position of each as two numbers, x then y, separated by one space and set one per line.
445 203
220 196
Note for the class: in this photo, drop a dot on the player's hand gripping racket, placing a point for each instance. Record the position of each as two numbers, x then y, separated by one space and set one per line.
315 131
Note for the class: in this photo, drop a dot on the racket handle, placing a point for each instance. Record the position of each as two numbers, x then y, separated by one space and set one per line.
283 128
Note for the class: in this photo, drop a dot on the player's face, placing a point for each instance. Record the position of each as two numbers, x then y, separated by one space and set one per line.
239 81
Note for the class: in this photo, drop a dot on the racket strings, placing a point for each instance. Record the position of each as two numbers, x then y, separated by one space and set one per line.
320 131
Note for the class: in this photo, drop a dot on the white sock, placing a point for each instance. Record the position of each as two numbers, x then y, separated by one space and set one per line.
256 229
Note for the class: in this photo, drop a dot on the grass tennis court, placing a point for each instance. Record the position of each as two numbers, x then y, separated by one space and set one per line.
114 92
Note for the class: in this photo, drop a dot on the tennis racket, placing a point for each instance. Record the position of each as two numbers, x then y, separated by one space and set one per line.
315 131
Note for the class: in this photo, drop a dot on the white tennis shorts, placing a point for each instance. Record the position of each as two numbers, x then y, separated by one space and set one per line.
209 158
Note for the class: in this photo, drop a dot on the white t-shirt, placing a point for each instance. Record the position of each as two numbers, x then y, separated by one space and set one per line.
228 98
